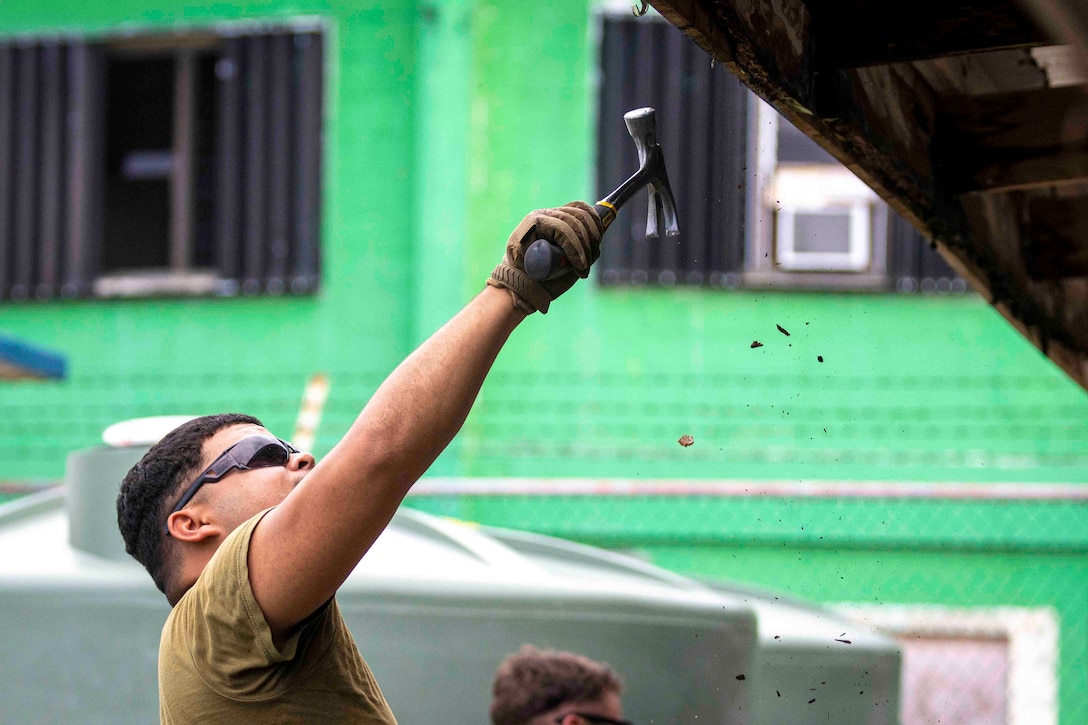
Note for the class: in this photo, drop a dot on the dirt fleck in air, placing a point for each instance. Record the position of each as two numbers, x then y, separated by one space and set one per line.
756 343
844 641
812 701
686 440
819 358
740 677
782 330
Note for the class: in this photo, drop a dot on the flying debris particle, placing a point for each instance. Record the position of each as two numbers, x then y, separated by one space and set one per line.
778 693
686 440
778 636
844 641
740 677
756 343
819 358
782 330
812 701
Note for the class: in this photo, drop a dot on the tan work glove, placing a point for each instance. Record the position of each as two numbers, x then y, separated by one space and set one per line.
575 228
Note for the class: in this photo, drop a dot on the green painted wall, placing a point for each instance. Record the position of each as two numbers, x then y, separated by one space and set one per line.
446 123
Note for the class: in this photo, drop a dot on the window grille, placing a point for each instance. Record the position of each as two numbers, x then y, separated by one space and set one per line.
161 164
702 129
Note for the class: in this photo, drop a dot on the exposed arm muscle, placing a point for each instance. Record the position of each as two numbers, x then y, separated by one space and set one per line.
304 549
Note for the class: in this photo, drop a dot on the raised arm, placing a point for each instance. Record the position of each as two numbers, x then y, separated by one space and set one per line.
303 550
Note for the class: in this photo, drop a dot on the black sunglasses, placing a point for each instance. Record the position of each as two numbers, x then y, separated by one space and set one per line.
594 719
256 451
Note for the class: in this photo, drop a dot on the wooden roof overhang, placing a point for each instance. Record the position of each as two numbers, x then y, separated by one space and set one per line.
969 117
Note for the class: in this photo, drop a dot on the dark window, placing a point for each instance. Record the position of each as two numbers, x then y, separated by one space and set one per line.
161 164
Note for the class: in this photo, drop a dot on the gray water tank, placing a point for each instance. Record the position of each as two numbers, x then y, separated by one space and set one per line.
434 606
811 665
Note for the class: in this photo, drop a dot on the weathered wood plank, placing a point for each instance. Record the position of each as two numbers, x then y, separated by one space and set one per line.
1055 232
898 31
1007 141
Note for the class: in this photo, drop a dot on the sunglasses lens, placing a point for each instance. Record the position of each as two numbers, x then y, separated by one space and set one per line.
268 455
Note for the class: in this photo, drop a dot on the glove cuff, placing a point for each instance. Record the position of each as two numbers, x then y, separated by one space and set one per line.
527 294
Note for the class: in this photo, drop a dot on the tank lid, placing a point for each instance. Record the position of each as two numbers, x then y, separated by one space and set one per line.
142 431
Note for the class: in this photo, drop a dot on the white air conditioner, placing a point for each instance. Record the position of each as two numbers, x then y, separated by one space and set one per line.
823 218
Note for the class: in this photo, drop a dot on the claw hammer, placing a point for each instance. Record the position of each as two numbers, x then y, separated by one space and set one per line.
544 260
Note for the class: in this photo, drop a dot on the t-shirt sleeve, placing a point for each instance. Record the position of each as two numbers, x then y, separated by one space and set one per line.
229 640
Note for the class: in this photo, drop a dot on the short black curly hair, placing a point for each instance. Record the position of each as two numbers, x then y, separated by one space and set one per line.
533 681
152 483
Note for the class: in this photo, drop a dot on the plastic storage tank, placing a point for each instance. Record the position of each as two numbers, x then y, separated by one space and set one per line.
434 606
811 665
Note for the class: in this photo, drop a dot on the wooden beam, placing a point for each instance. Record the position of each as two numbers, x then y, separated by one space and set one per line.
856 33
1055 234
1009 141
1066 21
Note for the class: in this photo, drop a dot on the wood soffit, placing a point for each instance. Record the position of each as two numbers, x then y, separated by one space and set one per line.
969 117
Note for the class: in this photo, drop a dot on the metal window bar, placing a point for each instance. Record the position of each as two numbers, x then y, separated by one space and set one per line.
182 169
255 164
84 169
228 227
279 170
308 95
51 170
7 126
27 119
703 132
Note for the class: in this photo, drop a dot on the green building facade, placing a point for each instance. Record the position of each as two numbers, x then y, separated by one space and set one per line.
906 456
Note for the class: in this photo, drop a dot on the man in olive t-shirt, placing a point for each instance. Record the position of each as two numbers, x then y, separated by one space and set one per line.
249 538
218 663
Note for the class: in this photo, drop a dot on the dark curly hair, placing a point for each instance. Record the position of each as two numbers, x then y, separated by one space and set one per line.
152 484
532 681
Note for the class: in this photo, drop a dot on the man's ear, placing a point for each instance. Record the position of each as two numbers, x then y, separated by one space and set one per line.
191 526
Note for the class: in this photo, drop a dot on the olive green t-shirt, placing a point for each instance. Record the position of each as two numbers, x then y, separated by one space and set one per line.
217 662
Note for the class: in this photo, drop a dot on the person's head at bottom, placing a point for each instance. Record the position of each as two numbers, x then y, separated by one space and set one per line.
551 687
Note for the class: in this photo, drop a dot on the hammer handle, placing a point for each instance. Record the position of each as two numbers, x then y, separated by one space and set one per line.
545 260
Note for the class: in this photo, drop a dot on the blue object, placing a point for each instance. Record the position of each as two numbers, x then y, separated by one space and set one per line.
20 360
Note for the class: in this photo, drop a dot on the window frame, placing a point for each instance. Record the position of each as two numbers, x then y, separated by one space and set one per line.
54 244
778 191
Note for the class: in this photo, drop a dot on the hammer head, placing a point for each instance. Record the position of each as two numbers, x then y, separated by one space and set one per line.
642 125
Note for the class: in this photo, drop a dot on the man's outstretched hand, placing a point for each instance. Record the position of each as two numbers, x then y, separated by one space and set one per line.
574 228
